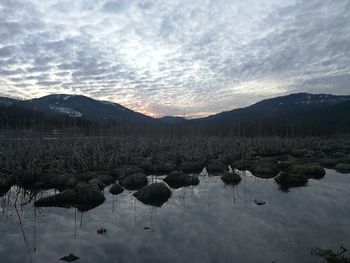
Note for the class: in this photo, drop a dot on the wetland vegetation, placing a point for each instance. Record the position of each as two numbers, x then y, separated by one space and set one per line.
87 174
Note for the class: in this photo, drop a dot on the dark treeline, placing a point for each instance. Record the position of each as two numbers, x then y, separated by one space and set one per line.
15 119
268 128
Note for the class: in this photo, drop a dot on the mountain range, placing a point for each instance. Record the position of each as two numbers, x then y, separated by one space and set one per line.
77 106
294 107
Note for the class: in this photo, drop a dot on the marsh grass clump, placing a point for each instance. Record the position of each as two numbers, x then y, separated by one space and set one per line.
62 199
343 167
265 167
312 170
345 159
84 196
298 175
97 184
88 193
165 167
134 181
242 164
328 162
56 179
106 179
146 165
298 152
63 162
285 164
287 180
124 171
191 167
116 189
155 194
179 179
231 178
5 183
216 167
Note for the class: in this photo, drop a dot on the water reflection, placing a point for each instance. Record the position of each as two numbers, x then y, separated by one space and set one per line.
211 222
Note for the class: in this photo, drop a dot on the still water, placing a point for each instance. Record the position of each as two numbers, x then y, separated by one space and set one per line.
210 222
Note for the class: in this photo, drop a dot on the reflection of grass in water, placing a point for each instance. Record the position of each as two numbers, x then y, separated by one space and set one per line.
332 257
23 234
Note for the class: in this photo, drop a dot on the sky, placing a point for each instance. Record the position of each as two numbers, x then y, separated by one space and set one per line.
187 58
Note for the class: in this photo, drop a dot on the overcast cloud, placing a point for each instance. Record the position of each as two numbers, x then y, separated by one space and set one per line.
174 57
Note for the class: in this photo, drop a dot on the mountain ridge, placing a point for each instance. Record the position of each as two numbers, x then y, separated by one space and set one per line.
327 98
295 107
281 105
79 106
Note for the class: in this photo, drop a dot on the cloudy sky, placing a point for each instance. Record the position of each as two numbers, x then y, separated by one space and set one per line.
174 57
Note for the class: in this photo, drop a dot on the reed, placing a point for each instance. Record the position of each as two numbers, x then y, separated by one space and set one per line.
26 160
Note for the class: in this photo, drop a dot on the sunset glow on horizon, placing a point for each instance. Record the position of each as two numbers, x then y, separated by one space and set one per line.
179 58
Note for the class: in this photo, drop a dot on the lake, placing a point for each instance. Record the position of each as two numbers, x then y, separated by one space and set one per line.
211 222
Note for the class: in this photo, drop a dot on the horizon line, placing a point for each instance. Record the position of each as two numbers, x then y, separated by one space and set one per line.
184 116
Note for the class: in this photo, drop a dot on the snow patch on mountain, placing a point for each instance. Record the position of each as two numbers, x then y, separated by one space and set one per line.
320 99
63 96
113 104
67 111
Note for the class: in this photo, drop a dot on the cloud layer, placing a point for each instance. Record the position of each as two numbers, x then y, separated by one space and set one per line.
174 57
